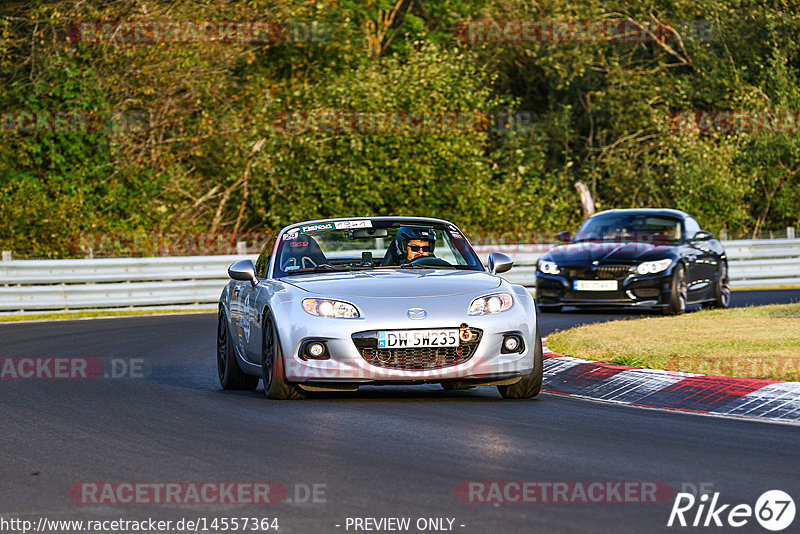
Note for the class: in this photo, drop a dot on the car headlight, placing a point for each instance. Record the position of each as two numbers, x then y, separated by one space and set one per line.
491 304
651 267
330 308
549 267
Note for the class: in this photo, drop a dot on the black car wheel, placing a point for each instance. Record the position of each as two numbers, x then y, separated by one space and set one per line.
530 385
230 375
272 370
722 289
679 291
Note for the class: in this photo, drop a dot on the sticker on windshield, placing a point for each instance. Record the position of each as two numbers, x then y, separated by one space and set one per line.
316 228
292 234
346 225
456 235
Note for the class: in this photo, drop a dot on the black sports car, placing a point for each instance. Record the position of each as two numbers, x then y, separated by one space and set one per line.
635 257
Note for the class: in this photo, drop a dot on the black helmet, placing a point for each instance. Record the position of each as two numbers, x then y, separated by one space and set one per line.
407 233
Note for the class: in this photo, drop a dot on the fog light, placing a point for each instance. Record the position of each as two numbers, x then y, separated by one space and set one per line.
315 350
511 344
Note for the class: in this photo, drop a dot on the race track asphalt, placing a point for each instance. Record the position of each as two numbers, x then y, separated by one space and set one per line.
381 452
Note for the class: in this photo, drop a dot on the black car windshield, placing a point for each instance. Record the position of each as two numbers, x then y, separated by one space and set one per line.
638 227
362 244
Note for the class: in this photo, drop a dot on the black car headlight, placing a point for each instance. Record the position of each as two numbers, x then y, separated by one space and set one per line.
652 267
549 267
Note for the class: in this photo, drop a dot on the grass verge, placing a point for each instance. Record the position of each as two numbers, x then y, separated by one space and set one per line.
753 342
52 316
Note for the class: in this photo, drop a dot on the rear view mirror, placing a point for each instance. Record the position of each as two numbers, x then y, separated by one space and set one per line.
564 237
243 270
702 235
367 233
499 263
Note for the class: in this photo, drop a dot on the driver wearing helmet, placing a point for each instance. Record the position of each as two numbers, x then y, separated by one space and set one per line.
411 244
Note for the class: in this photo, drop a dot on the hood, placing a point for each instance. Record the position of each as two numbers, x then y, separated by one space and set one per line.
396 283
608 253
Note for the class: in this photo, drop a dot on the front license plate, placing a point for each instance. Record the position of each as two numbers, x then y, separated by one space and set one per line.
594 285
400 339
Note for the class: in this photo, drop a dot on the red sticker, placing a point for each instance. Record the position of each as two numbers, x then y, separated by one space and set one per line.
298 244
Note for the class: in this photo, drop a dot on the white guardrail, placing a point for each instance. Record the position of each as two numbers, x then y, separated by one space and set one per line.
178 280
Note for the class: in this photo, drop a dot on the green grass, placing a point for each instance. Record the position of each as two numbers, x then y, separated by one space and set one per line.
755 342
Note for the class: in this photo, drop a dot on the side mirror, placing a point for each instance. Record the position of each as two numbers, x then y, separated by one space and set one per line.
243 270
702 235
564 237
499 263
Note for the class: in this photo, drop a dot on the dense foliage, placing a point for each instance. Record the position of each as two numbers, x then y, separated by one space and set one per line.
197 137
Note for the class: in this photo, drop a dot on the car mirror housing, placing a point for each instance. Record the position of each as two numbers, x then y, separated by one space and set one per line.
499 263
564 237
243 270
702 235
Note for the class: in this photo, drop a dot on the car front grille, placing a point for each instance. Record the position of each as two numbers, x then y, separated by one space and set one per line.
603 272
414 359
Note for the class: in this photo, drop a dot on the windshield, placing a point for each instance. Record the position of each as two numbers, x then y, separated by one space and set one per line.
373 244
638 227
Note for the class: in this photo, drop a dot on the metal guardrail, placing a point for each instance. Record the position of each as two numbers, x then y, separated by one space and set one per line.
126 282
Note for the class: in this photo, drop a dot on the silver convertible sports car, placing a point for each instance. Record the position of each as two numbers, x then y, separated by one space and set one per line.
334 304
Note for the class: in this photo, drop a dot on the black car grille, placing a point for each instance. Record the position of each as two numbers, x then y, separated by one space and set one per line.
414 359
603 272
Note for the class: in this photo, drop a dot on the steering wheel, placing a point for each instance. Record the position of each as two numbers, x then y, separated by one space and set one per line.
428 260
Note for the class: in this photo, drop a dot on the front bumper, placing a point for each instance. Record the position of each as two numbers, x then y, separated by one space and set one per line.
347 365
634 290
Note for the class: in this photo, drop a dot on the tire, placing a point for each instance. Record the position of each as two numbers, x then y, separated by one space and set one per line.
530 385
550 309
272 366
230 375
678 292
722 289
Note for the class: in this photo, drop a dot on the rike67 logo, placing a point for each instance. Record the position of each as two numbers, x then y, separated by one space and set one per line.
774 510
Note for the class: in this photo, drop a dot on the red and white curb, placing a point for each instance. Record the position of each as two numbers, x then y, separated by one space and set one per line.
672 390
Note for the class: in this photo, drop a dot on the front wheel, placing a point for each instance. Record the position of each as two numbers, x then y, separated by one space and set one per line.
678 292
722 289
272 365
230 375
530 385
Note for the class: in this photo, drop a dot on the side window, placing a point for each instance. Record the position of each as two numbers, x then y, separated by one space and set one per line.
263 258
692 227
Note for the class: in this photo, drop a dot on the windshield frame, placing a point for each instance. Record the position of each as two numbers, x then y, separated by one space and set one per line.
441 226
636 236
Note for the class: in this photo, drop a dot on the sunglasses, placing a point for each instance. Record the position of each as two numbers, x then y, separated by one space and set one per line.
417 248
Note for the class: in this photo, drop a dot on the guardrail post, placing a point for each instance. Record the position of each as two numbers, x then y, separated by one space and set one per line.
241 247
790 232
6 255
723 235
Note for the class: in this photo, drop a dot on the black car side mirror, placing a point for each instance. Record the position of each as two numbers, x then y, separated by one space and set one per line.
702 235
564 236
